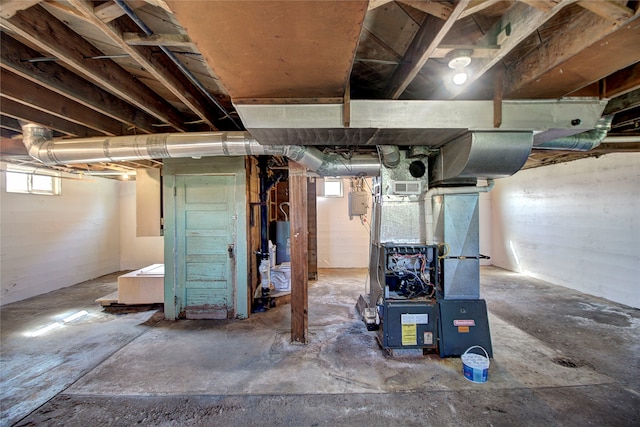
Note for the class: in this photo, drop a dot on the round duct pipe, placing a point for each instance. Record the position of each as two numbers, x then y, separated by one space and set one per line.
584 141
40 145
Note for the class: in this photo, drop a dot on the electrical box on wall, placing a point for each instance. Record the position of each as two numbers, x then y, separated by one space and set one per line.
358 203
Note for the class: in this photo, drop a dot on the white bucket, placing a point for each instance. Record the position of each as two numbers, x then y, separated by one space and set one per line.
475 367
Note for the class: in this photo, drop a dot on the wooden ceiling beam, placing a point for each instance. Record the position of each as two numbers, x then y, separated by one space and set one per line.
624 102
574 58
12 147
623 81
10 123
49 35
141 39
160 67
626 119
28 114
611 10
477 6
11 7
438 9
15 56
110 11
23 91
542 5
373 4
522 21
425 42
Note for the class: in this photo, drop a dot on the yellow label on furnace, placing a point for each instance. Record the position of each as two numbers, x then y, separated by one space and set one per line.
409 334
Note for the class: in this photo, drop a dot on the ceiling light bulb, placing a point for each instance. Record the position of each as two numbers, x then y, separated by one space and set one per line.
460 78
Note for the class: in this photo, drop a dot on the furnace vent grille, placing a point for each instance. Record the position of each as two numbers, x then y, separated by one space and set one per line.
406 187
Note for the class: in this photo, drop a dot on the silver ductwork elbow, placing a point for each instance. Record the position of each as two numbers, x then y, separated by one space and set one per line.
390 155
333 164
584 141
35 139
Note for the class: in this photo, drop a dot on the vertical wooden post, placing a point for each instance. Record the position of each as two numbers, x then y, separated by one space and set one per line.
498 89
299 241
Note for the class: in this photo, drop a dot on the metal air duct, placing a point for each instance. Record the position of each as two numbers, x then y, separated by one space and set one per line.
40 145
481 155
584 141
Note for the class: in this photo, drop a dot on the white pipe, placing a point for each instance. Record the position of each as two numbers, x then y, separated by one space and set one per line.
428 198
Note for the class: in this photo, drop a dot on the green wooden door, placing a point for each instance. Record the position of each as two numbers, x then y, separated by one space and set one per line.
205 245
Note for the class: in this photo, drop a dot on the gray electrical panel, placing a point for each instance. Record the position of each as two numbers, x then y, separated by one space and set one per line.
358 203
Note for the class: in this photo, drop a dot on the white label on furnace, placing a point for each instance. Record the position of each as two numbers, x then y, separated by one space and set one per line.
422 318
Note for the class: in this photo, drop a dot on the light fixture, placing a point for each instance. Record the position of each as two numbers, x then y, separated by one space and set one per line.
459 59
460 78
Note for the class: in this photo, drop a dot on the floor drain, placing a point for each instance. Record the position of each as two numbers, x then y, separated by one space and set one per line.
566 362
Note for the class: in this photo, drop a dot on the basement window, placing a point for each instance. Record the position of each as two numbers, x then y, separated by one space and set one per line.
20 179
333 187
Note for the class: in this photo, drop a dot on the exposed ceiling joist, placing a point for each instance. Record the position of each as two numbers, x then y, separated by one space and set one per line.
625 102
51 36
427 39
623 81
542 5
575 58
521 20
286 52
16 57
438 9
158 66
12 147
477 6
611 10
110 11
377 3
25 113
141 39
11 7
22 91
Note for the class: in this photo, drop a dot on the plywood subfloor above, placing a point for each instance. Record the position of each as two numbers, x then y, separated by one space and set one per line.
276 49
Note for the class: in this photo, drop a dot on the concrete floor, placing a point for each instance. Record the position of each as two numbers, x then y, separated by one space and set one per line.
560 358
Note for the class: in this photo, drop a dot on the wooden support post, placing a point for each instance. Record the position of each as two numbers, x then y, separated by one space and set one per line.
498 87
299 241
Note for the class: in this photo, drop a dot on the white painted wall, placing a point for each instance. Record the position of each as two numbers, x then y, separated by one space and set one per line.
574 224
342 243
486 235
135 252
50 242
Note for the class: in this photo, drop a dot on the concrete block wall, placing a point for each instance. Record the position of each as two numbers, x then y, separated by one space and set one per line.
574 224
49 242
